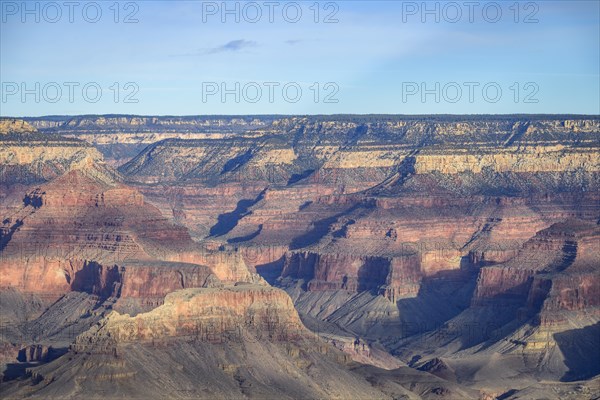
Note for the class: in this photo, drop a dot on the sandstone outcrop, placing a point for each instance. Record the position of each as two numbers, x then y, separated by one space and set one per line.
209 314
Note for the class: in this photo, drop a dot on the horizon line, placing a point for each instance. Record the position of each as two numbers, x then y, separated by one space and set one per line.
297 115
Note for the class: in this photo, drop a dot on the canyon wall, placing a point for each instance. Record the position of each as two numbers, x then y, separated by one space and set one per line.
458 242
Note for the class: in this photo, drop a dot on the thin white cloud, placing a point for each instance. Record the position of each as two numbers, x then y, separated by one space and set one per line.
232 46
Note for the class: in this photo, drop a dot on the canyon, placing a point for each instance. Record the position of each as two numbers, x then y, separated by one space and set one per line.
300 256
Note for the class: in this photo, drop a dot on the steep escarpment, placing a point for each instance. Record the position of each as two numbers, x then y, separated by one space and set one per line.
138 285
394 277
266 158
388 245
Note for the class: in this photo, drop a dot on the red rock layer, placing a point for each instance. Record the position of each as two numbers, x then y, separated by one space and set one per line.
554 274
78 233
395 277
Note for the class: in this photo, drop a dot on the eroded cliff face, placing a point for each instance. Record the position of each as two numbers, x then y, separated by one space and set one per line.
120 138
28 157
83 244
539 309
135 285
394 277
76 226
210 314
14 125
557 261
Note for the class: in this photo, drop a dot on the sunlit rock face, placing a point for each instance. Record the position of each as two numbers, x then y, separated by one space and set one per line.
196 311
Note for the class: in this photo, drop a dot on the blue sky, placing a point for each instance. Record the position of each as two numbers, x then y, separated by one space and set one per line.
372 57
